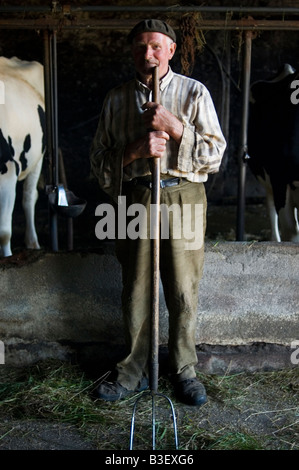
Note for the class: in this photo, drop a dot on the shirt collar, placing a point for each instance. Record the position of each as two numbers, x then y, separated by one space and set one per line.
164 82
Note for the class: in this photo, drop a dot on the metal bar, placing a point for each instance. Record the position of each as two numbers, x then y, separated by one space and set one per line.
48 105
55 110
153 422
63 23
243 137
186 9
157 9
48 80
24 9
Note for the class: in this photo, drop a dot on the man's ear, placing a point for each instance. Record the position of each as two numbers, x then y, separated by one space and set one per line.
172 49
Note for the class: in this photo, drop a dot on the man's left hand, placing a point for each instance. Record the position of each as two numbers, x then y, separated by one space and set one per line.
157 118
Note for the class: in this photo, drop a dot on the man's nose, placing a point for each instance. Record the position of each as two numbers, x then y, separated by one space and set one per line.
148 53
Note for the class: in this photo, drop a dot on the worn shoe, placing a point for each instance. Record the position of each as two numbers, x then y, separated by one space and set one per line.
113 391
190 392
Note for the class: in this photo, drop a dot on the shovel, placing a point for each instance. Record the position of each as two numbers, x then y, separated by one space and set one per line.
155 278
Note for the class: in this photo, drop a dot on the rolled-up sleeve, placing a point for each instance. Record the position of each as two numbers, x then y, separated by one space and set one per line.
203 144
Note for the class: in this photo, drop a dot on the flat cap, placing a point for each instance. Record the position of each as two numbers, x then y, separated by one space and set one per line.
151 25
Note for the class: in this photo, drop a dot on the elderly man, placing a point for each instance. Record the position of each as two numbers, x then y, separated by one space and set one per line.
183 131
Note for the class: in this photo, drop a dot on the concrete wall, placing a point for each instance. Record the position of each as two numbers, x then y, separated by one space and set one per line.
53 301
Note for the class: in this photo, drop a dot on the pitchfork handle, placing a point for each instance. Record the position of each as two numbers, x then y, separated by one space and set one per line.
154 370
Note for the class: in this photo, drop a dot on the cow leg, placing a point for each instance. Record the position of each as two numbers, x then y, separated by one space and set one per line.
7 201
30 195
288 222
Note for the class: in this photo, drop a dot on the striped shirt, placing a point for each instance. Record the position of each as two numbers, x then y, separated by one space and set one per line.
202 144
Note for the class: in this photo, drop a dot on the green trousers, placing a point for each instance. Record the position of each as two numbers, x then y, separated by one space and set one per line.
181 267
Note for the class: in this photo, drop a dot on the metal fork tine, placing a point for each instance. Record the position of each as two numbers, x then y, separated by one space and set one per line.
154 395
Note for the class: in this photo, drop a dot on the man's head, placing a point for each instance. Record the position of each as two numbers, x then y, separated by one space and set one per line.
153 43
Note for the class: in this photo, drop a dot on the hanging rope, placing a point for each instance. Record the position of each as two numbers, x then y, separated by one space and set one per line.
192 41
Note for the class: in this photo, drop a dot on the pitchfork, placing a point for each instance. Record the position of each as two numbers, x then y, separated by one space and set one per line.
155 277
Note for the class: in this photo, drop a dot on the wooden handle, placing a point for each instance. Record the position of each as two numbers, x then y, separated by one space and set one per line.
156 161
155 233
156 88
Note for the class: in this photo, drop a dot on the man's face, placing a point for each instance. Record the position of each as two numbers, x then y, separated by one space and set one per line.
152 49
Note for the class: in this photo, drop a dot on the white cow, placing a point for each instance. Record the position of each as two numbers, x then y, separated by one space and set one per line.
22 143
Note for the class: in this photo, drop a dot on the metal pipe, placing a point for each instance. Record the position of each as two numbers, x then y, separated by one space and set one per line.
48 106
48 80
227 88
157 9
184 9
24 9
243 137
64 23
55 110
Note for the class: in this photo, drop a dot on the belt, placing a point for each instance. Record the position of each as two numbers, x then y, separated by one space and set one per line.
144 181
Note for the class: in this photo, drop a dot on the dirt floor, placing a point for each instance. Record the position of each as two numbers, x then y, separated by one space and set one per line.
51 406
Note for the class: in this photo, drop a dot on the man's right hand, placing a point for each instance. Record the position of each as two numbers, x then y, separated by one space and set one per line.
152 144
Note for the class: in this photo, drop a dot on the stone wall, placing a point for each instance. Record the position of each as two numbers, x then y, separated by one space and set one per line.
55 303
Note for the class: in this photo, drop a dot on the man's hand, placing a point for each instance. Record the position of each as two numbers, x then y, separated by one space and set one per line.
157 117
152 144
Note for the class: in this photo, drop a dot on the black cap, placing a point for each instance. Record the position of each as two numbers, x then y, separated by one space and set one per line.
155 26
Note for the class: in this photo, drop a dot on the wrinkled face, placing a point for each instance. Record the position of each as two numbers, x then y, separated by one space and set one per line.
152 49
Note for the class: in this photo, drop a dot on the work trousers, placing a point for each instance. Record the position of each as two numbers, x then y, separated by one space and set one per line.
181 267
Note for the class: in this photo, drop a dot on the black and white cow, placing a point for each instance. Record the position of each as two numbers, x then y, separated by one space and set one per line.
273 148
22 143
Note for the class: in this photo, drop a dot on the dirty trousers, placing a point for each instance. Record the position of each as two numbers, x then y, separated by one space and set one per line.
181 267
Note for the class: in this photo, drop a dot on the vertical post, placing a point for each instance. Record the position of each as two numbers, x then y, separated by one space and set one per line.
52 176
55 110
226 97
155 221
243 137
48 104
